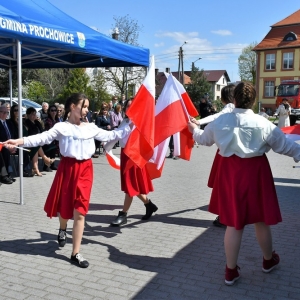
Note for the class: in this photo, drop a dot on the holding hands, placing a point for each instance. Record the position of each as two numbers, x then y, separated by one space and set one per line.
193 120
12 144
192 126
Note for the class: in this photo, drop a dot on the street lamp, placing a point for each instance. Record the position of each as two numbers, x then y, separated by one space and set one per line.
180 64
193 63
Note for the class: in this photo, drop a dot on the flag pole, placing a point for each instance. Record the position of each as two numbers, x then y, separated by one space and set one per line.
182 102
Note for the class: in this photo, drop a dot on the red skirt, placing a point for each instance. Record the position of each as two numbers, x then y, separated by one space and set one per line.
134 181
244 192
214 169
71 188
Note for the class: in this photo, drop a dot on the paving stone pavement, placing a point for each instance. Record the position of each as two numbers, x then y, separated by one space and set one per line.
178 254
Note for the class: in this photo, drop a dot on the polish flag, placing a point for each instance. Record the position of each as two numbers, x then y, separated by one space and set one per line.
171 118
292 132
140 145
113 160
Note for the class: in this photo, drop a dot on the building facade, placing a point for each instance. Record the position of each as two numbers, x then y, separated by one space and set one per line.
217 79
278 58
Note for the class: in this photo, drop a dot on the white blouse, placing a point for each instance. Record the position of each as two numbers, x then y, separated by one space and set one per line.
245 134
75 141
229 107
123 140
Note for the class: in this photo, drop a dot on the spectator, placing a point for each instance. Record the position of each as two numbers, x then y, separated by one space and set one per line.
7 104
13 125
116 119
4 178
31 127
205 109
283 111
121 102
110 108
114 101
44 111
5 134
52 148
60 112
103 118
263 113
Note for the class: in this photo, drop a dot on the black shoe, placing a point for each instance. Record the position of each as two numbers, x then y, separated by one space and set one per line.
79 260
27 174
47 169
62 237
121 219
176 158
12 179
5 180
52 167
217 222
150 209
170 156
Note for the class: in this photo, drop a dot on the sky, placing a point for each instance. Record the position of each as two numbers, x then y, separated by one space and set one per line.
215 31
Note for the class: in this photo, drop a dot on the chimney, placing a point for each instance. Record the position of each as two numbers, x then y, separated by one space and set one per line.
167 70
156 72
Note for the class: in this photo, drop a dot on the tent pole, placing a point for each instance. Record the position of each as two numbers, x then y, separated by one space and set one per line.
19 65
10 83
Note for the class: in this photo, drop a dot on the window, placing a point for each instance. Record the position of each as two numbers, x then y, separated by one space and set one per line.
218 87
288 60
291 36
270 61
269 88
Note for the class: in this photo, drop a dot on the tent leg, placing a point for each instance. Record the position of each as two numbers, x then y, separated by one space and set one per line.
10 85
19 65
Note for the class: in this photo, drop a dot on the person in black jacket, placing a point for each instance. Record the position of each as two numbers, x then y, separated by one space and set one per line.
205 109
5 135
103 121
13 125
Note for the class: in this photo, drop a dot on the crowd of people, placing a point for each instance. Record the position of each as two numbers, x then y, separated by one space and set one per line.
33 122
81 133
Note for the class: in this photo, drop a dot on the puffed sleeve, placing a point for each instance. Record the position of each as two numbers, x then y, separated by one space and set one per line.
41 139
114 135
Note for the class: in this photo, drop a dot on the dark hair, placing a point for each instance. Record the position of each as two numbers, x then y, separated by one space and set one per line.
12 115
125 106
286 106
244 95
49 112
118 106
30 110
227 93
73 99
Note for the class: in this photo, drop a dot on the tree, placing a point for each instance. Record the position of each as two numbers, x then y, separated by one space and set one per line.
53 80
198 86
27 75
247 64
78 82
121 78
98 85
34 90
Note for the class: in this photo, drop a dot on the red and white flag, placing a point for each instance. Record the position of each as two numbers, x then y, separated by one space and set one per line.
171 118
140 145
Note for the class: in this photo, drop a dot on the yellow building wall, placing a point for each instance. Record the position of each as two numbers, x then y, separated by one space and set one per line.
276 75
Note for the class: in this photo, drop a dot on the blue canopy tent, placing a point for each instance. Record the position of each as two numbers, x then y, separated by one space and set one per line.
36 34
52 39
